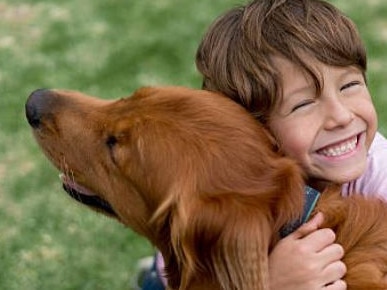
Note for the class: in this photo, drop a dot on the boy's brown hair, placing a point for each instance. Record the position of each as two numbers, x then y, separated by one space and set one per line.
235 55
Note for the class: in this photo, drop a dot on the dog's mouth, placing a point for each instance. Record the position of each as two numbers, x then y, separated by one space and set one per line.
85 196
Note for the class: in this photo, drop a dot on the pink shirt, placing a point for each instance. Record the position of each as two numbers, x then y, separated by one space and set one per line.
373 182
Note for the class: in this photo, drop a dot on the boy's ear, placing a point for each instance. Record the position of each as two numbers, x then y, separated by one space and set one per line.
225 236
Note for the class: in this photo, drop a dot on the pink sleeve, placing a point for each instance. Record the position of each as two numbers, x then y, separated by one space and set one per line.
160 268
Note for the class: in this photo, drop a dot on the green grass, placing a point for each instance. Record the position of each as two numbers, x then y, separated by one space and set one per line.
104 48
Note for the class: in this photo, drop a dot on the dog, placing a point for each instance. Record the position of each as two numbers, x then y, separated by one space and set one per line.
201 179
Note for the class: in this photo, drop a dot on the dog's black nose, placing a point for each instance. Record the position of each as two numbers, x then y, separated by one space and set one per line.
35 106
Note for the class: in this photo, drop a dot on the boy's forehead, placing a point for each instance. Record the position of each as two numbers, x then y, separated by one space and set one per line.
292 75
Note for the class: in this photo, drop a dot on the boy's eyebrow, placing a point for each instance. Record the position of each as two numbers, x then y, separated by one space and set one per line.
351 70
297 90
345 71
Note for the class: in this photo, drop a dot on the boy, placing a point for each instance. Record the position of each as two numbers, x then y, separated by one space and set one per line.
299 67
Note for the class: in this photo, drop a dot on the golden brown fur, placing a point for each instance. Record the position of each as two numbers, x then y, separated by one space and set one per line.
195 174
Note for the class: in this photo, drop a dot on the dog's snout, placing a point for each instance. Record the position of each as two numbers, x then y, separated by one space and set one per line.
36 106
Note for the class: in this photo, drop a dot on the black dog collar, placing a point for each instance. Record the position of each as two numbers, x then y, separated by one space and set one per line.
311 198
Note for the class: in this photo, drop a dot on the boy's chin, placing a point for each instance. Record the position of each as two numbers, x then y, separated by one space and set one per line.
338 176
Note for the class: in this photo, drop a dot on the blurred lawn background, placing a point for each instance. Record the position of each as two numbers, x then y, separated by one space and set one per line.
107 49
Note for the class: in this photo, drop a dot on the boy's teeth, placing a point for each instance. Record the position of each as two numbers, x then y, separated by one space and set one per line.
340 149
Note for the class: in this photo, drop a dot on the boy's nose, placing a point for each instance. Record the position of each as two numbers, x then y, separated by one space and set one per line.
36 106
338 114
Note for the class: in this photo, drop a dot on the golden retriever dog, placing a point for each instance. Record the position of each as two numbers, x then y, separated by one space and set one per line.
199 177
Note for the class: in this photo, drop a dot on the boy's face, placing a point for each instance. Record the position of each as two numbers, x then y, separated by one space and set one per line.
330 134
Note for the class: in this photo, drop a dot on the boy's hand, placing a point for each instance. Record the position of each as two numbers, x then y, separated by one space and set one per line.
308 259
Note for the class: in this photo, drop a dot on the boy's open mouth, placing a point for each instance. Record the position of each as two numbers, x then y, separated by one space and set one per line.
340 148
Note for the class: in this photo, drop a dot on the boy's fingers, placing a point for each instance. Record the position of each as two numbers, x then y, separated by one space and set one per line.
312 225
320 239
331 253
335 271
337 285
312 238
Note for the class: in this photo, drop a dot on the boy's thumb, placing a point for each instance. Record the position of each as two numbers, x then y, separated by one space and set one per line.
310 226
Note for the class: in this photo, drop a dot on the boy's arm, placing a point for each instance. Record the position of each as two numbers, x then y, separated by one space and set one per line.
307 259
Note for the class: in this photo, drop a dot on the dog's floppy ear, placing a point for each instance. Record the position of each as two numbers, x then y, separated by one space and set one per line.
225 236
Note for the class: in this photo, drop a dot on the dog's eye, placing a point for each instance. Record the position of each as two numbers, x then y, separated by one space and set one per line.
111 141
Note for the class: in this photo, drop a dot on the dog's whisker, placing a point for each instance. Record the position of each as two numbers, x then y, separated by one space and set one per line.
69 175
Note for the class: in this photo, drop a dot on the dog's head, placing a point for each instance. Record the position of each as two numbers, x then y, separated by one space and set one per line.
189 169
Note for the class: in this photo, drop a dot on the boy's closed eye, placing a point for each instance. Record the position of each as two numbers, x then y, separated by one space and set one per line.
351 80
348 88
351 85
302 104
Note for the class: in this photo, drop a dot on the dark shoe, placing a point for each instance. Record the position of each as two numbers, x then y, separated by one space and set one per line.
148 277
